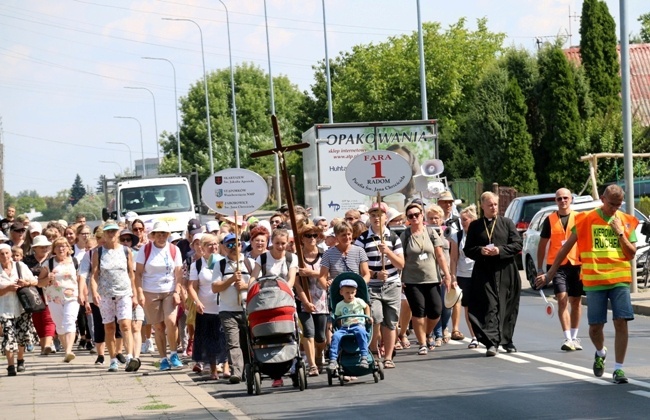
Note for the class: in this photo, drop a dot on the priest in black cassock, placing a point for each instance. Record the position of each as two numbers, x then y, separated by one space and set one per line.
493 243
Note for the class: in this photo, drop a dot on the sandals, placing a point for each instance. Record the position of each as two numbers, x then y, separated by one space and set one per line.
457 335
439 341
398 345
423 350
473 344
389 364
431 344
313 371
405 343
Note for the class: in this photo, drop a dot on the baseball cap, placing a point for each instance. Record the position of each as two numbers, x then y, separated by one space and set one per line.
111 226
17 226
229 237
35 227
378 206
348 282
175 237
318 219
362 208
211 226
197 237
130 216
194 226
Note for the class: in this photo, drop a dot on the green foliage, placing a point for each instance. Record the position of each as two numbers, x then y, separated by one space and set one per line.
645 27
91 206
78 191
599 57
27 200
253 120
561 138
496 131
57 206
644 205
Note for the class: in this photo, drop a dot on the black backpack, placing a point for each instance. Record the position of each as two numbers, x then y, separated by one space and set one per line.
288 257
50 263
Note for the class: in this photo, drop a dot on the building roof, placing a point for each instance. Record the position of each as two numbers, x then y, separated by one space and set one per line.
639 80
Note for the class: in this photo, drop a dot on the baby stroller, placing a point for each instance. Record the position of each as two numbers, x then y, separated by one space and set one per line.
349 353
273 334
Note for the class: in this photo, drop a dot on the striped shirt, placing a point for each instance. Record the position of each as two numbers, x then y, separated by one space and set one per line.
336 263
370 241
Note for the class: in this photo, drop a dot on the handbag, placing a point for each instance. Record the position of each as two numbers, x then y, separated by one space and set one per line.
29 298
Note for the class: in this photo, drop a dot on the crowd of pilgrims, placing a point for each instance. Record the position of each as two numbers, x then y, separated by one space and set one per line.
128 288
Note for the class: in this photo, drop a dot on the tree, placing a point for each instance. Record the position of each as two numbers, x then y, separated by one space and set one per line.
645 27
599 55
78 191
57 206
90 206
496 130
27 200
562 139
253 119
100 184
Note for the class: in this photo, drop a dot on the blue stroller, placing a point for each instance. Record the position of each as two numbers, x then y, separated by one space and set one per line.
349 354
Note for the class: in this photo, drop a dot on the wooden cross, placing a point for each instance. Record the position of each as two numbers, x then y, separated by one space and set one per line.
280 150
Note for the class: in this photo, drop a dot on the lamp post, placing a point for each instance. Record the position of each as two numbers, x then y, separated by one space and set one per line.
330 113
127 146
178 136
205 85
232 88
277 160
155 117
144 168
112 161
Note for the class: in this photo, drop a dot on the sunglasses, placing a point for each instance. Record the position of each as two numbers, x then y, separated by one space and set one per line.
231 245
310 235
350 218
20 230
126 239
561 199
413 215
135 229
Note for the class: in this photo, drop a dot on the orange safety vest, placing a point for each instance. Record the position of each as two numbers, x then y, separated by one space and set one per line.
558 236
603 261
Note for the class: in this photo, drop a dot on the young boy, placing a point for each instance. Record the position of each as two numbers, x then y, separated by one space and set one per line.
16 253
350 305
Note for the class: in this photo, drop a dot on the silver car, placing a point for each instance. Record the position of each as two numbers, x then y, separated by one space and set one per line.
531 235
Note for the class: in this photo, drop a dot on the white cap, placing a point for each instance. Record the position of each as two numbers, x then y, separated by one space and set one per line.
212 226
35 227
174 237
330 232
130 216
197 237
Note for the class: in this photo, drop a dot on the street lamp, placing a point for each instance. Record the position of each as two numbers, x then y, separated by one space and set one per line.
112 161
232 88
127 146
144 168
327 71
178 136
155 117
205 85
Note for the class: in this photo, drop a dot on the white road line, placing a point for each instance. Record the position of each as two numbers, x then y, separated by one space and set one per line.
641 393
577 376
503 356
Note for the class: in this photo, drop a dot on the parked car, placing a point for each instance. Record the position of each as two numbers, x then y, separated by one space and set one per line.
531 235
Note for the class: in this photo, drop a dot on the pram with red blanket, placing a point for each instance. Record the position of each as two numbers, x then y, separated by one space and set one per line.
273 334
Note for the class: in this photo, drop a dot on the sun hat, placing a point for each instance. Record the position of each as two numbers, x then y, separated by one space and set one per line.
212 226
134 237
330 232
362 208
111 226
40 240
161 226
392 213
252 220
196 237
35 227
452 297
348 282
445 196
130 216
63 223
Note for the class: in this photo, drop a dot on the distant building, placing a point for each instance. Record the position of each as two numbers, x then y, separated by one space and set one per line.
639 78
151 164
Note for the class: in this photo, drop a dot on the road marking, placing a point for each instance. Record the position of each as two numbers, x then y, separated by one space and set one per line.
576 376
641 393
503 357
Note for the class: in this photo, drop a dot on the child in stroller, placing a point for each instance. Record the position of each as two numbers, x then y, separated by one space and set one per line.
345 311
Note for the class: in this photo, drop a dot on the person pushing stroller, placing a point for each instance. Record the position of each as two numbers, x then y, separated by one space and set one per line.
350 305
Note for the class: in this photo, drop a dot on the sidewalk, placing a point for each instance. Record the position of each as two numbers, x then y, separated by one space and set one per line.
50 389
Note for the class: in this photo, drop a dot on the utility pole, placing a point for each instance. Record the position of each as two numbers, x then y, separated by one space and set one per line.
2 170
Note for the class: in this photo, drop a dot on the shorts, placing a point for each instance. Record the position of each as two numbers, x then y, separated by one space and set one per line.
138 314
64 315
385 303
117 307
158 306
618 297
313 325
425 300
567 280
465 283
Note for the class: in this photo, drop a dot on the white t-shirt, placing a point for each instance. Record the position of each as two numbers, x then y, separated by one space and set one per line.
277 267
158 275
205 294
228 300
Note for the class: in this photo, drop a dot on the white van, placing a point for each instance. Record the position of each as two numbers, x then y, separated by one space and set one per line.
166 199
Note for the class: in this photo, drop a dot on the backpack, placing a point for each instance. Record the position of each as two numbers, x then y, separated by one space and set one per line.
288 257
50 263
147 251
407 234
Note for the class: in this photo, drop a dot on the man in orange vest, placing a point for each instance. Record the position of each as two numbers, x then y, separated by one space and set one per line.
606 240
556 229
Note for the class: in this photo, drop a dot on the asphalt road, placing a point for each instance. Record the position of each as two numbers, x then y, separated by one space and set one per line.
540 381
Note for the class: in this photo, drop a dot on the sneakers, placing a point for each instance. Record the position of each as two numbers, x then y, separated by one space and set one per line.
30 348
577 344
491 351
113 366
599 364
69 357
619 377
147 346
82 345
568 345
198 368
175 361
99 360
47 350
165 365
277 383
133 365
11 370
120 358
364 362
234 379
333 365
90 346
21 366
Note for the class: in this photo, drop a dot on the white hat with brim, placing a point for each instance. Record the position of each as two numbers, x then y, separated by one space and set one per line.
161 227
3 237
176 237
452 297
40 240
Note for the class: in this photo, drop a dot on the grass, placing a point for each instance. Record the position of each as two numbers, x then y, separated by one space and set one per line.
115 402
156 406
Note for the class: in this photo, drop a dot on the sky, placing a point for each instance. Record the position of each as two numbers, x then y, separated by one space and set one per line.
65 64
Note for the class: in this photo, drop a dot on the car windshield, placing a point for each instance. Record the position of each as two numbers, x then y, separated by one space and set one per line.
531 207
156 199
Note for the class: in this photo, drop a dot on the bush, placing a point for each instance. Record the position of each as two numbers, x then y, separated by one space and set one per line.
644 205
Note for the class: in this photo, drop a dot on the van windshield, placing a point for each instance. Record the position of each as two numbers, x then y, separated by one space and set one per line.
155 199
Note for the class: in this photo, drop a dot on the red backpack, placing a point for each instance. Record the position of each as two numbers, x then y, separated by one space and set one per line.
147 251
